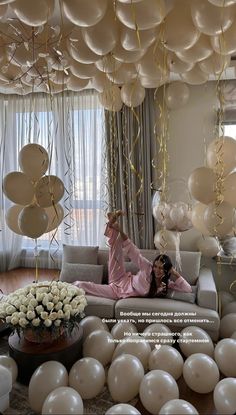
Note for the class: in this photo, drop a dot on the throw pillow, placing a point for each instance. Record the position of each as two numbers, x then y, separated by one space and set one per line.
181 296
81 272
80 254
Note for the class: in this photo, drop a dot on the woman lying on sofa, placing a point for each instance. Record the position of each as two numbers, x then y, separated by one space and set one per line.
152 280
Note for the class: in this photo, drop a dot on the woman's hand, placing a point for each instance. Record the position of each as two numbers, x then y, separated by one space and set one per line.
174 274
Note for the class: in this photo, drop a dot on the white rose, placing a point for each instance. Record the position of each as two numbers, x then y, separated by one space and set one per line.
55 291
30 315
47 323
10 309
39 309
74 304
50 297
22 314
36 322
60 314
8 319
30 307
67 300
33 302
23 308
44 315
45 299
55 299
63 294
53 316
67 307
80 308
23 322
17 304
23 299
14 321
58 306
50 306
33 290
57 323
39 296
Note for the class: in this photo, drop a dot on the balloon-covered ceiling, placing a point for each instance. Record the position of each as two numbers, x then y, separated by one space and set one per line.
123 46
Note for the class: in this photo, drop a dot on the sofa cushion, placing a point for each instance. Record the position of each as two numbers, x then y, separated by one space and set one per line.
181 296
81 272
80 254
100 307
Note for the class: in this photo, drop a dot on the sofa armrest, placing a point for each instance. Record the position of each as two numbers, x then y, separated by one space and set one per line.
207 296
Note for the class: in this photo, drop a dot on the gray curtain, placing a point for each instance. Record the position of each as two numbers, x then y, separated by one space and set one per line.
129 141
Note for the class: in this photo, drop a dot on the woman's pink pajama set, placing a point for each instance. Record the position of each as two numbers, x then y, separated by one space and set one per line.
122 284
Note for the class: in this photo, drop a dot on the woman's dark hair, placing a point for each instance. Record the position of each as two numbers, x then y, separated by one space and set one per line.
167 265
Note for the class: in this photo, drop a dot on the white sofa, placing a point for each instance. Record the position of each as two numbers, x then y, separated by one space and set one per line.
178 311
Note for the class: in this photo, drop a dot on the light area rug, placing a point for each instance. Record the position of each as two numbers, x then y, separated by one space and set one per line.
19 404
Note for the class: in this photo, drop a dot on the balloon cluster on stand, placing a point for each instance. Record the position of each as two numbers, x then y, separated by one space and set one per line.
151 373
118 48
172 217
36 210
214 188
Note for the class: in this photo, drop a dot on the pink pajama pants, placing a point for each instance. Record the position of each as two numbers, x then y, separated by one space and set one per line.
116 269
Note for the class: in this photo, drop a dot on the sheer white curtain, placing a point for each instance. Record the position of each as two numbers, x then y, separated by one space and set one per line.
70 127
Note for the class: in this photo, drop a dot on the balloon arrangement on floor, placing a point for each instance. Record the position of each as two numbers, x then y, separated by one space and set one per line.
36 210
214 188
150 373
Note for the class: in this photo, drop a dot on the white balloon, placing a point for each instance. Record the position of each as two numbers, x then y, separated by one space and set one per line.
157 388
133 94
177 95
195 76
225 396
178 407
227 325
166 358
209 19
158 334
110 99
63 400
45 379
100 345
92 323
10 364
84 13
121 409
120 329
165 239
87 377
148 14
139 348
188 344
225 355
201 373
124 388
208 246
229 308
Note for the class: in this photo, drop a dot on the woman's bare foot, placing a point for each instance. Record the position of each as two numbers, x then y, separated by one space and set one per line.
113 216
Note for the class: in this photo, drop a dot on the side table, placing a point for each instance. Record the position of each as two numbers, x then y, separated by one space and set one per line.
28 355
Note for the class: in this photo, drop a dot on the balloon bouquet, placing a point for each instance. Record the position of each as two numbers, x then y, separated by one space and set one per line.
173 218
36 210
214 188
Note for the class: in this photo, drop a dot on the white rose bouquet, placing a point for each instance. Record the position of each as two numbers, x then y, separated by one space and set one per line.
44 307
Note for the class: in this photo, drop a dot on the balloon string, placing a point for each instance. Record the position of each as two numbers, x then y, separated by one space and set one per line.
36 261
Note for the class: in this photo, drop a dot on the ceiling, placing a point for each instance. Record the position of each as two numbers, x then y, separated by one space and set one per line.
126 45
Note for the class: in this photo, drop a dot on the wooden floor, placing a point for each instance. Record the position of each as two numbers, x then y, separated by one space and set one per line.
10 281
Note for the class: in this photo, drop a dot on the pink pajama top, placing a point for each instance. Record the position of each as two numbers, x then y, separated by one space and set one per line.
138 285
